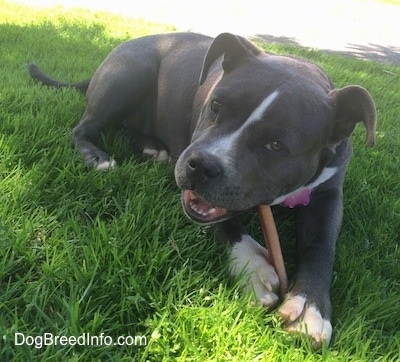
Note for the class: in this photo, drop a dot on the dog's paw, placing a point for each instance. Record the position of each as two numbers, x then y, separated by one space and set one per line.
156 155
97 159
250 258
301 317
106 165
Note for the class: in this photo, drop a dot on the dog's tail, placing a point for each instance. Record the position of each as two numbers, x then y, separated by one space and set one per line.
37 74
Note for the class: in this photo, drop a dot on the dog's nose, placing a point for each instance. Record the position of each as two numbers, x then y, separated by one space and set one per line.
202 167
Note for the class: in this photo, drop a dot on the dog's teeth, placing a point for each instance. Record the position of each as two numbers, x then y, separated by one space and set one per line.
194 207
202 212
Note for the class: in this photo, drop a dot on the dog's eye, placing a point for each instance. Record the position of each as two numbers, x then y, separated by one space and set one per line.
275 146
215 106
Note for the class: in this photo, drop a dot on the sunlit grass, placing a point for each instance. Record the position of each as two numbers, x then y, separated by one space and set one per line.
86 252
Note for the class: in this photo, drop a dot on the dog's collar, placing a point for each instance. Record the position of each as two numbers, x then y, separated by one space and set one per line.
300 198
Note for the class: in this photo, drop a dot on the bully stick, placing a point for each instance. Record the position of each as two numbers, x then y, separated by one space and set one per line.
273 245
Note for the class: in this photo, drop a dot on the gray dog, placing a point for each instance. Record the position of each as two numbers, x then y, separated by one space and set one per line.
246 128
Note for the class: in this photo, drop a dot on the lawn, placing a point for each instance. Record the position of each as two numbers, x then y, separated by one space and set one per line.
111 254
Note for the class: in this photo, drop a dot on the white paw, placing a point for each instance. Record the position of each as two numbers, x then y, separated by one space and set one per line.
106 165
250 258
156 155
306 319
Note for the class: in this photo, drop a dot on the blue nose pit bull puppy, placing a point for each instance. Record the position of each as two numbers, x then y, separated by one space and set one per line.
246 128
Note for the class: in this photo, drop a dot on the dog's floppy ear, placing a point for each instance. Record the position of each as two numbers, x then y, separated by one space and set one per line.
233 47
353 104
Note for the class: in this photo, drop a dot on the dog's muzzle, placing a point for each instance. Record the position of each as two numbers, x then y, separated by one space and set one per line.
197 175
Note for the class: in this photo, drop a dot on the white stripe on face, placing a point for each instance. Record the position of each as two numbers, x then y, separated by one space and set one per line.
223 147
257 114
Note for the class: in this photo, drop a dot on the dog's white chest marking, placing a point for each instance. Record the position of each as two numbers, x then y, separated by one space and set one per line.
325 175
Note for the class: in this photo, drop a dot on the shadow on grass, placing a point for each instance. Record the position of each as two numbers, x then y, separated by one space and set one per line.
47 43
374 52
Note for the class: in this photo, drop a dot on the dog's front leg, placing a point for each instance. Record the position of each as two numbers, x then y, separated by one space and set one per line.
249 261
307 307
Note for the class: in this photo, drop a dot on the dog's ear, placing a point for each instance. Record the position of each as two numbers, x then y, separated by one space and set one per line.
233 47
353 104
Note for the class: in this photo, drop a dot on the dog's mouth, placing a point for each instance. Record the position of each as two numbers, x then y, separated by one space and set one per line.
202 211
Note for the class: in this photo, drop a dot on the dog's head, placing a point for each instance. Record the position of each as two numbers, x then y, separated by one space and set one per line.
265 126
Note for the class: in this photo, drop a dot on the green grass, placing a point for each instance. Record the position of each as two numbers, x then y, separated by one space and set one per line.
87 252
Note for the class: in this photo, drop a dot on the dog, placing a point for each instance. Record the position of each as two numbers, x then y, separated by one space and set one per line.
245 128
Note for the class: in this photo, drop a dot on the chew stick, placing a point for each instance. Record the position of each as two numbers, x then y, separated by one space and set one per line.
273 245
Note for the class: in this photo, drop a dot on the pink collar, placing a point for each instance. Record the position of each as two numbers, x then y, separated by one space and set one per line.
299 198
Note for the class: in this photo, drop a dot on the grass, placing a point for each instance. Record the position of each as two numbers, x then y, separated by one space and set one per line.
112 253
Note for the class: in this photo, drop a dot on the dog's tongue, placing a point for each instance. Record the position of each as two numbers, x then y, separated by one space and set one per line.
201 210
